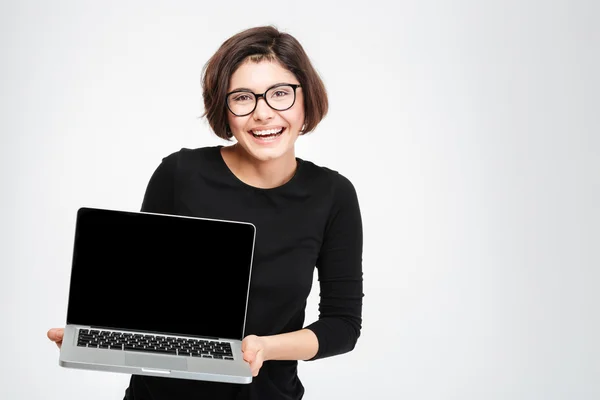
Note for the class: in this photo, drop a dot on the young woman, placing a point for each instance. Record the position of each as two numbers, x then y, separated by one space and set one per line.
261 92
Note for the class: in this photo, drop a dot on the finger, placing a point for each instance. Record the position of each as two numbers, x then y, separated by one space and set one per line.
255 367
249 356
55 334
257 364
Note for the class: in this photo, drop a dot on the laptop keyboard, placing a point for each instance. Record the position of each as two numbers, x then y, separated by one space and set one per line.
154 344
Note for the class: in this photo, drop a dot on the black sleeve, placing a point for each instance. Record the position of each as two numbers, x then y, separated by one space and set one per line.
340 275
159 196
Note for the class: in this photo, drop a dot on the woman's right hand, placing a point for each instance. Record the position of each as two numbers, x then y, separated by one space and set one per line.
56 335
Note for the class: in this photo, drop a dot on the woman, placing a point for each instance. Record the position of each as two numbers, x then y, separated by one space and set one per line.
261 89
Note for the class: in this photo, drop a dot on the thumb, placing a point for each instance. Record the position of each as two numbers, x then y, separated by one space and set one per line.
55 334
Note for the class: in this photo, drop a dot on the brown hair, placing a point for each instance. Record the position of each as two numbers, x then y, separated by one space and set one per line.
258 44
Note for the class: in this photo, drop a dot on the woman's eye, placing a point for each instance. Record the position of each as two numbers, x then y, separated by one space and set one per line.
243 97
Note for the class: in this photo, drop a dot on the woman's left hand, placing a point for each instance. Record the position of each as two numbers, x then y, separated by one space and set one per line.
254 348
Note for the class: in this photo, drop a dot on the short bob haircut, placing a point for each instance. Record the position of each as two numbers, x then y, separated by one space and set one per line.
258 44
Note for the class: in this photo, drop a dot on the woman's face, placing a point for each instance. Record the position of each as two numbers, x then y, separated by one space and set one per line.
266 134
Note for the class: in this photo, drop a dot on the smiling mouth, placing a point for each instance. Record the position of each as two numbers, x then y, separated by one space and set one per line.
268 134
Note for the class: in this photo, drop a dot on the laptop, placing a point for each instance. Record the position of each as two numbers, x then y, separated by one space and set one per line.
159 295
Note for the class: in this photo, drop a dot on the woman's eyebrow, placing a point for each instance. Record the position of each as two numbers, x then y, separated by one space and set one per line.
242 89
250 90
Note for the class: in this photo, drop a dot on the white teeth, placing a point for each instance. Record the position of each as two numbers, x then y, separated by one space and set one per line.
267 132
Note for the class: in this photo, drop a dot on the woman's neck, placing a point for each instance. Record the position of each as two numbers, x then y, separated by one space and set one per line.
257 173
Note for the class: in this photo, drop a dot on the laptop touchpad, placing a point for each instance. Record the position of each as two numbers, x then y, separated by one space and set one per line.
155 361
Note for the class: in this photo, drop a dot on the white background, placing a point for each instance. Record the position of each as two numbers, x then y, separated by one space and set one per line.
469 129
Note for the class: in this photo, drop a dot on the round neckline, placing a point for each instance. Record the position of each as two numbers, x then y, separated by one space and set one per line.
234 177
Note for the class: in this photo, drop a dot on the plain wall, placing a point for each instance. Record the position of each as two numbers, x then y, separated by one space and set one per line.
469 129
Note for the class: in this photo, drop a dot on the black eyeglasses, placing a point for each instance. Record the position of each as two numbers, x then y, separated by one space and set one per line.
280 97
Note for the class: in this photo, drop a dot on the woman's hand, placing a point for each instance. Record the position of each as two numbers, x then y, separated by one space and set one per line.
56 335
254 349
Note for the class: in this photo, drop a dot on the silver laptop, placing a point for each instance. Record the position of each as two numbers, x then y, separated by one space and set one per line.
159 295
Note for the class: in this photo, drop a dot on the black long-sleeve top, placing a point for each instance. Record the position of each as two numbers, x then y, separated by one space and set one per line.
311 221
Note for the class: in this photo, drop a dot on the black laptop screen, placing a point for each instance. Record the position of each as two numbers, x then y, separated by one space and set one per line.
155 273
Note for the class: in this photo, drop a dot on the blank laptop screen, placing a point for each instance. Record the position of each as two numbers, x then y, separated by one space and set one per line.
156 273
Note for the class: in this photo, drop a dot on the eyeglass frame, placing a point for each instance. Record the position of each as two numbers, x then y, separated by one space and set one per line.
258 96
